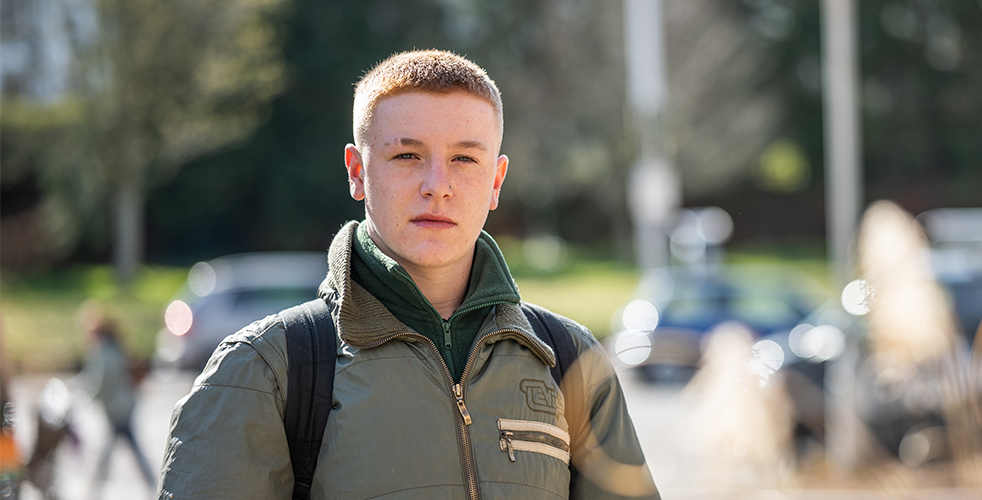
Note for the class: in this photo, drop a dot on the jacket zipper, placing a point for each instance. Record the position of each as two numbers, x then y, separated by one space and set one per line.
531 437
469 465
446 334
464 417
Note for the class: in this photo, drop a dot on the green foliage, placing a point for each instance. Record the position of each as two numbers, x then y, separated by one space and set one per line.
157 84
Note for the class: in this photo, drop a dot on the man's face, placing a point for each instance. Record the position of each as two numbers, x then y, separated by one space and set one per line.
429 172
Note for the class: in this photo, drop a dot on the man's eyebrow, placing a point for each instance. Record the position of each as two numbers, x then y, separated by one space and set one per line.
407 141
471 145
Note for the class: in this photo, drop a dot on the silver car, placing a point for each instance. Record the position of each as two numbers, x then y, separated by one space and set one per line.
225 294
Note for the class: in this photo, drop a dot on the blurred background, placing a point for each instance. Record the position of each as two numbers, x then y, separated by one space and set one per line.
696 181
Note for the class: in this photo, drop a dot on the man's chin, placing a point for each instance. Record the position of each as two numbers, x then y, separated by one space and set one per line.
434 255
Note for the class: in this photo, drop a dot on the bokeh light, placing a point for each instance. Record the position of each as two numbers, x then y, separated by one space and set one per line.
632 347
546 253
202 279
816 343
640 316
178 317
857 297
766 359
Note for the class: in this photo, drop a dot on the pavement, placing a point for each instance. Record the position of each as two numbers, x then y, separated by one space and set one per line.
662 416
75 465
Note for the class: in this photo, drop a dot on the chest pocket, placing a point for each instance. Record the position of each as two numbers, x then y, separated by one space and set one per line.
534 437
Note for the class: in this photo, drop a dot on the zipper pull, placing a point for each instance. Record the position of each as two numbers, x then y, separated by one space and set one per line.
459 394
506 436
446 334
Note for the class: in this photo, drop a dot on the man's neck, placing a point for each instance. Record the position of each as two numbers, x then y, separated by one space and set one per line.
444 287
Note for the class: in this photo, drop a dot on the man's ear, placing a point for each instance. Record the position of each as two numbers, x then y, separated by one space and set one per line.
501 168
356 172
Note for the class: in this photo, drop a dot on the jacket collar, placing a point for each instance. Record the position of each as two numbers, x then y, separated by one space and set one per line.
362 321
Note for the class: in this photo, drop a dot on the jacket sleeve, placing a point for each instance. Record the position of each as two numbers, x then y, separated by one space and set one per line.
607 460
227 439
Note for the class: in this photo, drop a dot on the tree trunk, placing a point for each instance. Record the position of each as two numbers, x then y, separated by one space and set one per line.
128 247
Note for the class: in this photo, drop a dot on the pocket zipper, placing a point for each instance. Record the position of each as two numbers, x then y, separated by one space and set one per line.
538 437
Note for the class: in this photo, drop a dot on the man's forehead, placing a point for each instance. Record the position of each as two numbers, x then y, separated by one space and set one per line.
402 97
389 124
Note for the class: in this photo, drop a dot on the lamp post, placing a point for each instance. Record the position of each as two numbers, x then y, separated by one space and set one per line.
654 189
843 198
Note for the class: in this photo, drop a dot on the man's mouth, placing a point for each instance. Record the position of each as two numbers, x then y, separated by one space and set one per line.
432 221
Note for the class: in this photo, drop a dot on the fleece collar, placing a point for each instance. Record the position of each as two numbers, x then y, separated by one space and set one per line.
363 322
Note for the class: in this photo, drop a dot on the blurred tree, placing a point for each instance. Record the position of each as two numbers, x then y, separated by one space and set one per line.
285 189
721 114
921 71
922 101
157 84
290 190
745 85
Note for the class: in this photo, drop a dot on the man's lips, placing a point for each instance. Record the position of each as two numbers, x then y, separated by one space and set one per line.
432 221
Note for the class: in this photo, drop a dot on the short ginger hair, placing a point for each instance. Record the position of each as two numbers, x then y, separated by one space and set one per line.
436 71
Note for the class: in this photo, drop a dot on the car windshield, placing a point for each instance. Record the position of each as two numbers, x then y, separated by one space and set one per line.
758 310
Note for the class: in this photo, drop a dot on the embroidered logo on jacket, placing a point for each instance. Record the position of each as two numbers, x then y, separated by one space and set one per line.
538 396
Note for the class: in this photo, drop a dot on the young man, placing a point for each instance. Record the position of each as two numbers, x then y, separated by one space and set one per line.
442 389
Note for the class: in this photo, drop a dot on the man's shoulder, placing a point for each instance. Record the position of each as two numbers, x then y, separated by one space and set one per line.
260 330
254 357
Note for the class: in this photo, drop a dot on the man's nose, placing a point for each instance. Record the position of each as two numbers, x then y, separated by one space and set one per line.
436 180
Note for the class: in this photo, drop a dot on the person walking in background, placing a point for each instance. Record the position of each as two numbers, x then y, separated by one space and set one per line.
107 378
11 464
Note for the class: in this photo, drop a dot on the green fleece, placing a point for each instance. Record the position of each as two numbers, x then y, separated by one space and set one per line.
490 284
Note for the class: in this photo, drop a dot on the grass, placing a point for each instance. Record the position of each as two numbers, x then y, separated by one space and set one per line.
40 332
588 292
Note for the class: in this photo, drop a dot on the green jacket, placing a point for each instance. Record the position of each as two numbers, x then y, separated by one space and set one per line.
401 428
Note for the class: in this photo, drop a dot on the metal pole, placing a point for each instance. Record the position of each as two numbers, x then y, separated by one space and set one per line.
843 198
654 190
843 190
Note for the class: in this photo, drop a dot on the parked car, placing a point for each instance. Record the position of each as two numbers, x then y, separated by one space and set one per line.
225 294
956 257
661 332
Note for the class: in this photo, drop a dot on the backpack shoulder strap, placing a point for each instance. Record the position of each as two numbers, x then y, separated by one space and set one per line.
549 327
311 355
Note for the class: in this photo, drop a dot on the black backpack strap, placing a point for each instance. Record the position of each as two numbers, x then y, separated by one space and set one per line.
311 344
550 329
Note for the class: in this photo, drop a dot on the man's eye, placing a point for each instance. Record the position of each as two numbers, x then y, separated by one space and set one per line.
406 156
465 159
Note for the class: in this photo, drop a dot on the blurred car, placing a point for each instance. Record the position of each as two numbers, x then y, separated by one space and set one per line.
225 294
956 257
661 332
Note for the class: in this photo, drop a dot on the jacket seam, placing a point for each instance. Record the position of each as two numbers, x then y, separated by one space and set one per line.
387 493
210 384
247 339
380 358
532 486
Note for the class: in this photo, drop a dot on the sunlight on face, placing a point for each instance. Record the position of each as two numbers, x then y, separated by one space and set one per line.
429 172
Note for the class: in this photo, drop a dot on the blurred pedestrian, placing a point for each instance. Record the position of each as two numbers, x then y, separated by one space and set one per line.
107 377
53 427
442 383
11 465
